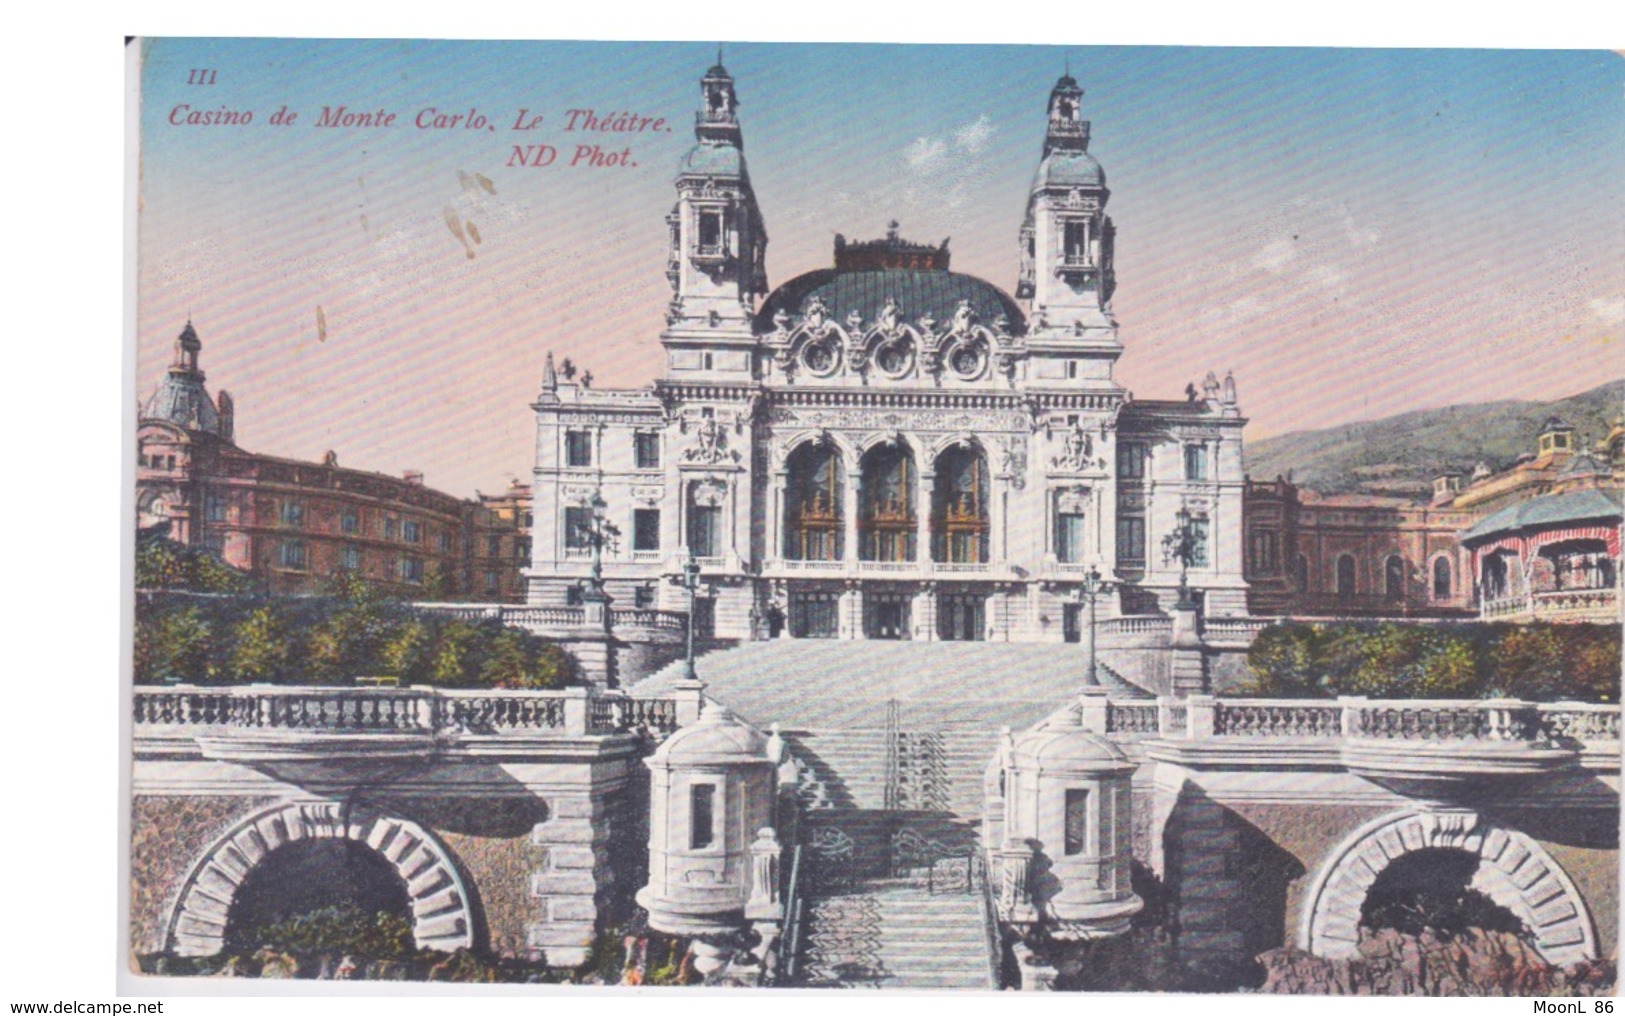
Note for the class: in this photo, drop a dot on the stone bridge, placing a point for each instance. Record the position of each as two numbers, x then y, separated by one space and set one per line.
518 821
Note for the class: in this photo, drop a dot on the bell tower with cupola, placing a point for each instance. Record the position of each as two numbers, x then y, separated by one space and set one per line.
718 246
1066 241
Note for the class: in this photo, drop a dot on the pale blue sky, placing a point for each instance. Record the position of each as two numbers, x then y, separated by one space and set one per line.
1353 232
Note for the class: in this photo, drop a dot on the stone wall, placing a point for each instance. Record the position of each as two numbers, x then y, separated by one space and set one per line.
167 837
1586 844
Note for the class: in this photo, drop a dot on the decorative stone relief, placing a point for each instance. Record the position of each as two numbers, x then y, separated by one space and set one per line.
710 444
711 492
1014 461
1072 500
1077 450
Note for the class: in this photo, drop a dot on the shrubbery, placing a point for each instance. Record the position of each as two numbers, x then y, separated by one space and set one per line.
1538 662
331 640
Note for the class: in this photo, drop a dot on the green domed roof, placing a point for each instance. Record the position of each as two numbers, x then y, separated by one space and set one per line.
1069 169
917 293
713 160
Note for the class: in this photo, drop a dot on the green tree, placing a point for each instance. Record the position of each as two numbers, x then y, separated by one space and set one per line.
1284 661
172 643
260 647
402 647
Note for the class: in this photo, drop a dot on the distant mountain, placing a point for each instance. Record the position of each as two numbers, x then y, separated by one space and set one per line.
1400 455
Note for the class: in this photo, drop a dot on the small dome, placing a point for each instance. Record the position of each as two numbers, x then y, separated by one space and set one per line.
718 738
182 400
1063 746
713 160
1069 169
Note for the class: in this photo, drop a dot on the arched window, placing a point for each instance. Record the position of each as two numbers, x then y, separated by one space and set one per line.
959 507
1393 578
886 517
812 521
1345 575
1441 578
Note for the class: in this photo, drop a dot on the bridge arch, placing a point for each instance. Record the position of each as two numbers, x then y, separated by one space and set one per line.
1513 870
442 914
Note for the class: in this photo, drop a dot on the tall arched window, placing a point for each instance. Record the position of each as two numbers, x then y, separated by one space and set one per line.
886 518
812 520
1441 578
959 507
1393 578
1345 575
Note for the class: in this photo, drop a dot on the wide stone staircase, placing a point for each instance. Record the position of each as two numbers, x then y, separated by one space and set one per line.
880 934
892 740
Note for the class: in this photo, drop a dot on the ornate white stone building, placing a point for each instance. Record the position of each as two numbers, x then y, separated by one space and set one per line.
885 448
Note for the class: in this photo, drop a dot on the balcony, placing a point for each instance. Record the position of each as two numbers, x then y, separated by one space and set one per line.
1558 606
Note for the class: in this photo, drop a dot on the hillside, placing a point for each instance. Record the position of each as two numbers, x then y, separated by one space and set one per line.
1400 455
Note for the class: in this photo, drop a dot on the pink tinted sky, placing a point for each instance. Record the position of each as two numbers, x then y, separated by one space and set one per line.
1353 232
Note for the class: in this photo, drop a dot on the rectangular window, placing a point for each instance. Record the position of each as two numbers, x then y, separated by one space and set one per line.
521 548
1263 548
710 233
293 514
572 596
411 569
1069 533
530 520
1077 821
412 531
1195 462
1076 234
702 802
391 526
646 529
705 530
349 522
214 507
577 448
577 528
350 558
1131 539
1131 461
445 542
646 449
493 546
643 597
1199 555
292 555
491 582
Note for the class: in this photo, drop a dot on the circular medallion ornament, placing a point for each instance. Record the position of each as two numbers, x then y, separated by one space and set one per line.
967 362
819 359
895 357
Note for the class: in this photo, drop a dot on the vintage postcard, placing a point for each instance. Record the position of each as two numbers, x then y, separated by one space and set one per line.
950 518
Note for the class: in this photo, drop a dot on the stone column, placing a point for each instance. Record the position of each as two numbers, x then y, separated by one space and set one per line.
922 510
851 499
574 876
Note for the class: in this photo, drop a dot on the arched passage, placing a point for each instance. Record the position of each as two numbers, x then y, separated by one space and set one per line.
1512 870
442 916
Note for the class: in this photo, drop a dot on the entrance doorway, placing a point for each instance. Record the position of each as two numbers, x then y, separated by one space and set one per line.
961 617
886 616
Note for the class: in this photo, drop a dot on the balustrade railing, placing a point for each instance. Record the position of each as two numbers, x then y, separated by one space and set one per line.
646 617
1132 718
1263 718
621 712
570 711
1414 720
1579 721
1137 625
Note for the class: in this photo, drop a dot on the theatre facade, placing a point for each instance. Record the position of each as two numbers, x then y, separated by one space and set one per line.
884 448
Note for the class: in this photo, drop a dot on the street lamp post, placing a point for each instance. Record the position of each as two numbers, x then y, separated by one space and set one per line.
690 580
1180 545
1092 589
